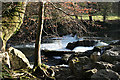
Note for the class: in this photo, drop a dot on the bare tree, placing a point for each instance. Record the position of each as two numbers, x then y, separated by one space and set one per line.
39 35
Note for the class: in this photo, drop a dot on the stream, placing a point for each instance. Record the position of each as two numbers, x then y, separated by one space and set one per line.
59 44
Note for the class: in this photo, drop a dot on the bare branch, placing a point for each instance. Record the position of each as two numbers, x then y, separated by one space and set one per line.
80 25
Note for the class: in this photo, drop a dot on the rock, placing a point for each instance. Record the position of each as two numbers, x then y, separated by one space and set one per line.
96 49
102 65
87 67
105 74
89 73
77 65
65 58
94 53
110 56
101 49
18 59
88 53
71 46
116 66
62 73
116 48
71 77
80 54
95 56
81 60
107 47
115 43
86 43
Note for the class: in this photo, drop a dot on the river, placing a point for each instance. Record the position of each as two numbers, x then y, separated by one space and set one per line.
59 44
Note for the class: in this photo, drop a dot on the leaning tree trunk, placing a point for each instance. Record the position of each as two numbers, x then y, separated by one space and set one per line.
12 18
39 35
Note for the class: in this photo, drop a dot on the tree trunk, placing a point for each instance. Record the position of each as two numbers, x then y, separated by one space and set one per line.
104 18
3 45
11 22
39 35
104 14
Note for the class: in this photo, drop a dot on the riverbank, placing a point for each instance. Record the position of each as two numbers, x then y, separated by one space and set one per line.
109 29
102 62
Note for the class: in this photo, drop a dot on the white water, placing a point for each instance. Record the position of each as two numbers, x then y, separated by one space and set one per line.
57 57
63 65
25 46
101 44
82 49
60 43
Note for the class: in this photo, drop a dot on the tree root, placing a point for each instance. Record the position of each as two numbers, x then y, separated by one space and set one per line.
45 74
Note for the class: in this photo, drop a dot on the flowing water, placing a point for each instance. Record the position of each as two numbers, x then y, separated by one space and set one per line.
59 44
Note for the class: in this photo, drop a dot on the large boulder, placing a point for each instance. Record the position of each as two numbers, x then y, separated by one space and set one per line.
110 56
86 43
105 74
78 65
17 59
71 46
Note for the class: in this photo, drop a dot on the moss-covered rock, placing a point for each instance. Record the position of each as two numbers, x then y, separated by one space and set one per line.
105 74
